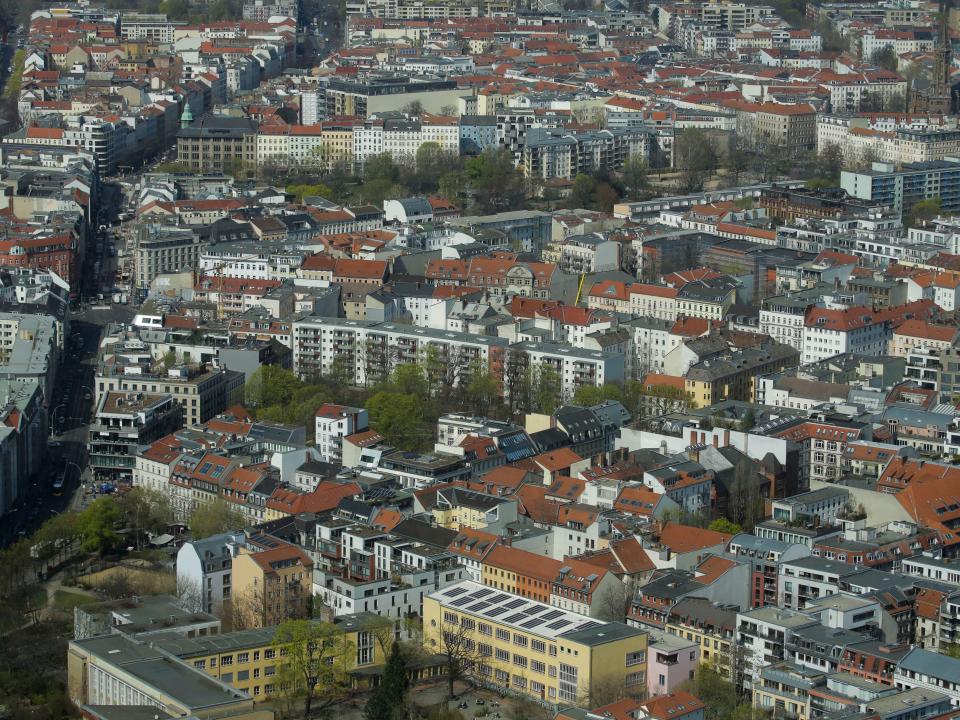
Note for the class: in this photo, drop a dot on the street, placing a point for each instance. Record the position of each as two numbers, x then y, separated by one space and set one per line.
71 408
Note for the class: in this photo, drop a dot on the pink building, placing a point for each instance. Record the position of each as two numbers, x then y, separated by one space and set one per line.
671 660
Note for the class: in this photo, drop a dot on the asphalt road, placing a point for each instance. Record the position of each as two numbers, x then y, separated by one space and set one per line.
71 407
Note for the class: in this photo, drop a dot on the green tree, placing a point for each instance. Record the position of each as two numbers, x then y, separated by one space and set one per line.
12 88
271 385
410 379
725 526
145 511
389 700
886 58
314 664
923 211
582 192
484 390
453 185
546 389
833 41
497 185
400 419
587 395
97 525
215 518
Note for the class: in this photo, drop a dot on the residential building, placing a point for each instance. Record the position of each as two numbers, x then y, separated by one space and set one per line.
123 423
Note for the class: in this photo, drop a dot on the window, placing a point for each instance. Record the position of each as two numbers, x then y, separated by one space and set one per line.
243 657
520 640
503 634
637 658
519 682
503 655
536 687
637 678
269 654
519 660
200 664
484 629
449 617
568 682
538 667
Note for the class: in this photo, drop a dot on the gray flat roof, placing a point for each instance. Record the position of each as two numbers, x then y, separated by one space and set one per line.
161 671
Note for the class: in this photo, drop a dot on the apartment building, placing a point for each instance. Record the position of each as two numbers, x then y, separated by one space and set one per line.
161 249
763 634
362 97
371 350
333 423
272 585
574 367
855 330
123 423
23 438
29 350
201 391
530 648
732 376
204 571
902 189
217 143
710 627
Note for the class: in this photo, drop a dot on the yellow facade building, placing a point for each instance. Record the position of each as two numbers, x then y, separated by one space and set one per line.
457 507
533 649
272 585
247 659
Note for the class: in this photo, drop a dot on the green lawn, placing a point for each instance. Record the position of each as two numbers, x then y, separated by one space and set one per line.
66 600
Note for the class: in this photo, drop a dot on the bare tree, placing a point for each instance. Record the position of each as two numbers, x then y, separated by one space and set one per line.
613 605
455 643
190 593
315 658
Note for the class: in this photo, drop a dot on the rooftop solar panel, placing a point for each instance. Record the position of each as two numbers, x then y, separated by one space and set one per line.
454 592
516 617
481 593
552 615
478 607
514 604
498 598
531 623
493 612
557 625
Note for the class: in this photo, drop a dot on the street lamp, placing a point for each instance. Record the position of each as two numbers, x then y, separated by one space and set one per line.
53 415
79 469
